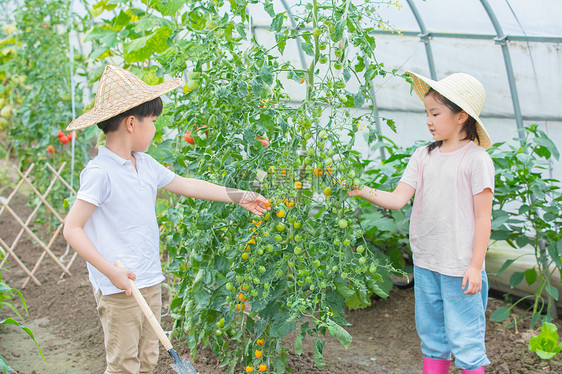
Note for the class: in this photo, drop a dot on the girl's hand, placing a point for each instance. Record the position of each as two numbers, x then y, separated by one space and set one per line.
474 278
120 279
355 191
254 202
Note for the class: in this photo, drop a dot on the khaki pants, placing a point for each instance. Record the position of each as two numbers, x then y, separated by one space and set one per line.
131 345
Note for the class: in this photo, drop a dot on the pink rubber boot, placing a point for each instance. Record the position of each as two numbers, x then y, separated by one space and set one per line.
480 370
435 366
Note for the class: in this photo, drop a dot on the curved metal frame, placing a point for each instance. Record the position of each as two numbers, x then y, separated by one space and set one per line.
424 37
501 39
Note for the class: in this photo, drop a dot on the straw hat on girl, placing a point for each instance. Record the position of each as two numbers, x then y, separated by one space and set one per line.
119 91
462 89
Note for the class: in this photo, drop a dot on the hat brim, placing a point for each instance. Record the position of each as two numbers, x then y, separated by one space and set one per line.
97 115
423 84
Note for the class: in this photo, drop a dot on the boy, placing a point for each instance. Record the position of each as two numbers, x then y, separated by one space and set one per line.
113 217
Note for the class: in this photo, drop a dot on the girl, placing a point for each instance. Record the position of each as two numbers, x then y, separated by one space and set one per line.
453 182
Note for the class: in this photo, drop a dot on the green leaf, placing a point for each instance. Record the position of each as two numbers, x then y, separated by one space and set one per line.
505 265
340 333
277 22
307 48
266 74
359 99
319 355
167 7
500 314
26 329
299 339
142 48
516 278
549 145
552 291
530 276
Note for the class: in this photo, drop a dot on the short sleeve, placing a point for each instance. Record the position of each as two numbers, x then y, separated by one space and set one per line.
411 174
164 176
94 185
482 173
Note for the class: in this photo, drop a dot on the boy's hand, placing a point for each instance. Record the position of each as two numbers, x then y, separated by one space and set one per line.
120 279
254 202
474 278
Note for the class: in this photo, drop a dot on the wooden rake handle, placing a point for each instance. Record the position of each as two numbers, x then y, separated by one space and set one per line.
148 312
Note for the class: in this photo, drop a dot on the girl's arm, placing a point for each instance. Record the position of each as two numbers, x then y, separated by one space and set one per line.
482 228
389 200
74 234
199 189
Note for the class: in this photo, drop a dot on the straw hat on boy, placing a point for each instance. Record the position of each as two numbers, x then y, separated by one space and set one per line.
462 89
119 91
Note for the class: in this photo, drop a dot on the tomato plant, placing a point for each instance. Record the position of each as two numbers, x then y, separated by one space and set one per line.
242 283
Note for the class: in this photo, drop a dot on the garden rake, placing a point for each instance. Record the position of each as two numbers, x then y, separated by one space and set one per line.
181 366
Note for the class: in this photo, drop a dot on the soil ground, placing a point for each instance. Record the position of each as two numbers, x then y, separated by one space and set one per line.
63 317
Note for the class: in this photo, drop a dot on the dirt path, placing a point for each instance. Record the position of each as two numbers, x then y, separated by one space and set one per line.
62 316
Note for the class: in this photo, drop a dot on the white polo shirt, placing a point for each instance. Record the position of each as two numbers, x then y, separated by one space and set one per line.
124 227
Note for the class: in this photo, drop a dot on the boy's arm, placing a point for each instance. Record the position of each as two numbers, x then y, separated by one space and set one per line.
74 234
389 200
199 189
482 228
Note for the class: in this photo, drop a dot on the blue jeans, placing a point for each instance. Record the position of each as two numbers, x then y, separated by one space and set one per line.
448 321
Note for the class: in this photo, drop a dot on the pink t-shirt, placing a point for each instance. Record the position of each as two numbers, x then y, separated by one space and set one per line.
442 221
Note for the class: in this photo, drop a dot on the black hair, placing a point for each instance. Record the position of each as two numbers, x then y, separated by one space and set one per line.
146 109
469 127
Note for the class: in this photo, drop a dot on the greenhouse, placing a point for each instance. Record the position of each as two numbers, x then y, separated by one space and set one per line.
318 190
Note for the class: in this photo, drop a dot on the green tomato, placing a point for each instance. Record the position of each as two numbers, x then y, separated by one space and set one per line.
330 84
269 248
279 273
322 134
260 252
254 292
323 285
261 269
338 65
310 151
297 250
308 279
340 84
360 249
218 332
342 98
346 242
316 263
362 260
322 46
298 238
334 268
337 241
192 85
342 223
317 32
277 238
220 323
265 233
323 59
307 135
329 161
281 227
338 52
297 225
229 286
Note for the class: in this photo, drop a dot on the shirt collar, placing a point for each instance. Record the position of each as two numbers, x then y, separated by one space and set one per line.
104 151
